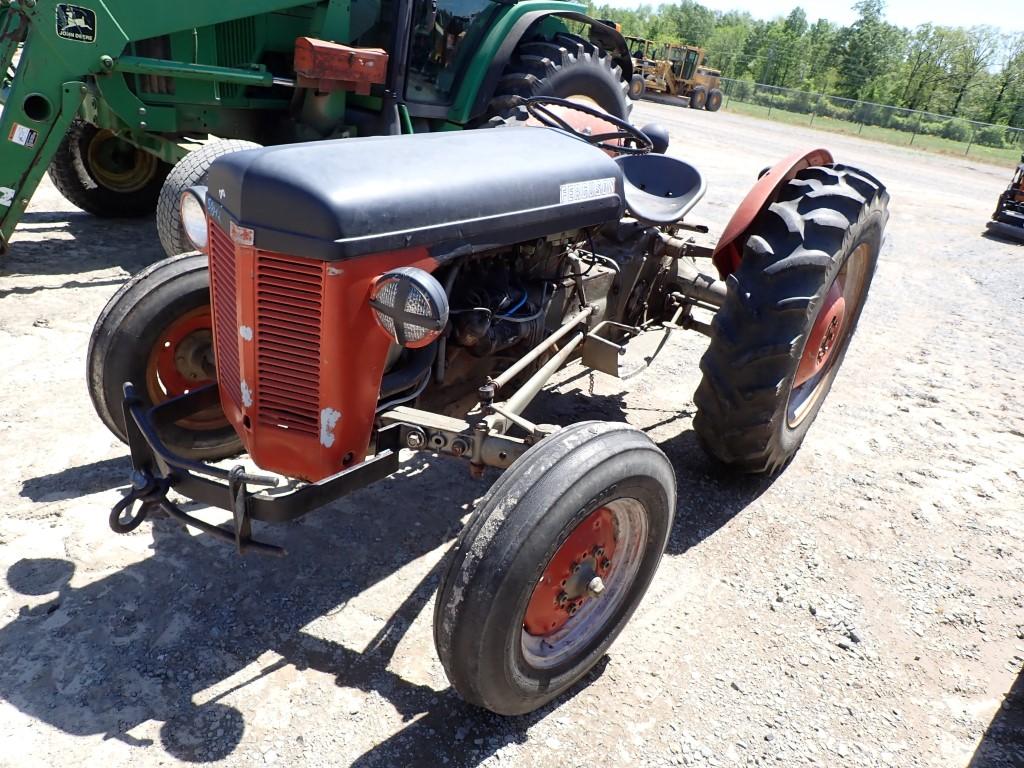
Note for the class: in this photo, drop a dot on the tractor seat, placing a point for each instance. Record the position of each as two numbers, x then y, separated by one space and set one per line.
660 189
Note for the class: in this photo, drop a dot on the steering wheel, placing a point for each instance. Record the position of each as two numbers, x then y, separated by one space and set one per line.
539 109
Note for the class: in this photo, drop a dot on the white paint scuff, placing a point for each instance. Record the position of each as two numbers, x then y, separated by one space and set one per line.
328 421
246 395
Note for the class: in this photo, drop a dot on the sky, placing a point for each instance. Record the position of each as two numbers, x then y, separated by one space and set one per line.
1007 14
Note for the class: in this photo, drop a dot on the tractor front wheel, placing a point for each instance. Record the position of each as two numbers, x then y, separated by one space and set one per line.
637 87
189 172
568 67
157 333
104 175
790 312
553 563
714 102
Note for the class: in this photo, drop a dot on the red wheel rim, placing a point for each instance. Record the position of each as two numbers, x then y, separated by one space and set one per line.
599 562
824 336
182 360
565 586
829 334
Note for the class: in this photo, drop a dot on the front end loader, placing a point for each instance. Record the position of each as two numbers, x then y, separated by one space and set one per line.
112 96
1008 218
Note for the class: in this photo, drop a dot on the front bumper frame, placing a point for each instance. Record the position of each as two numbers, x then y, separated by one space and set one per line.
157 470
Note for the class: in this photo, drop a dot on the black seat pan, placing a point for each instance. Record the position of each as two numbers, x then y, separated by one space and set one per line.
660 189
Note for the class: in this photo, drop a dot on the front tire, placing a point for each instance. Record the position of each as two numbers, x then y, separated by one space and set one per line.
714 102
637 87
105 176
519 617
566 68
790 312
190 171
156 332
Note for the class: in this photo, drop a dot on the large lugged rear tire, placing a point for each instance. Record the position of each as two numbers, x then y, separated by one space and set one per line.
791 309
156 332
567 68
698 97
190 171
105 176
552 565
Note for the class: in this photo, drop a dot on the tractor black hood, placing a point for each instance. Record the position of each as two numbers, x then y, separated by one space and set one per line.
333 200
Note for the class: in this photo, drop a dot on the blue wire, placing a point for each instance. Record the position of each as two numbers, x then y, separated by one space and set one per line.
516 308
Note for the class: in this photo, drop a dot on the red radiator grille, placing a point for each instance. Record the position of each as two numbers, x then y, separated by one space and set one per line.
289 307
225 318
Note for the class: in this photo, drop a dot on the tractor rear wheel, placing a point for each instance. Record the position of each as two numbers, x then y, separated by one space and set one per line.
637 87
553 563
698 97
156 332
714 102
567 68
104 175
190 171
790 312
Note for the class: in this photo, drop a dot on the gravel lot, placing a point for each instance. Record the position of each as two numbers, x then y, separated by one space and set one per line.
865 608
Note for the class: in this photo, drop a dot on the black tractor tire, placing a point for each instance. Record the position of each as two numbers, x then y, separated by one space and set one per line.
714 102
190 171
508 548
567 68
130 329
128 191
637 87
747 402
698 97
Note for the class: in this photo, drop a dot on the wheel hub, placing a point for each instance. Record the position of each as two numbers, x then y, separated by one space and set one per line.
182 360
825 333
574 575
118 165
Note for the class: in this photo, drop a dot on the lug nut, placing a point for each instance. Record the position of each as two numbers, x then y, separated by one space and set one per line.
606 564
562 599
595 587
598 551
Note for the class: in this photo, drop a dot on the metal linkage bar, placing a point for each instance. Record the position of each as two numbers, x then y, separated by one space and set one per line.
527 360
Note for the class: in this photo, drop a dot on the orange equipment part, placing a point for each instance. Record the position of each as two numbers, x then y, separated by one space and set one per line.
300 355
332 67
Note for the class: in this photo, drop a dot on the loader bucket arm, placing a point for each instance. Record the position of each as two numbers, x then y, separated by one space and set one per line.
70 53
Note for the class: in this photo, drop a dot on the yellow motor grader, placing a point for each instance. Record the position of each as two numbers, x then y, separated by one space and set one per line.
677 70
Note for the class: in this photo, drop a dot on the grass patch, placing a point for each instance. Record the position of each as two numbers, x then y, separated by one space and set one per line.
876 133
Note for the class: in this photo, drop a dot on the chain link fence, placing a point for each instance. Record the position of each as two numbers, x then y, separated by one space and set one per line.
895 125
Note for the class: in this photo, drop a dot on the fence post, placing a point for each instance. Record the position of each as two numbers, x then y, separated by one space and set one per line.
771 104
817 106
917 127
970 143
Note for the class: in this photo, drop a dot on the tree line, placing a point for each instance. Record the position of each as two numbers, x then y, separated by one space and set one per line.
975 73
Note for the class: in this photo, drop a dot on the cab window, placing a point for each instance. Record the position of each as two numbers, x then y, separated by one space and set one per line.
445 35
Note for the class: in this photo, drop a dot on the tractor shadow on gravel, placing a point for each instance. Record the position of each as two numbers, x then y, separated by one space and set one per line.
167 639
77 243
1002 746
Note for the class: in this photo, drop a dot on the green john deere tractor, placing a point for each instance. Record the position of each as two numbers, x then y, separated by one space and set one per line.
119 99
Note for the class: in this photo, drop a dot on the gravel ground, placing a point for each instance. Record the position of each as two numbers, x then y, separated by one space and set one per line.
865 608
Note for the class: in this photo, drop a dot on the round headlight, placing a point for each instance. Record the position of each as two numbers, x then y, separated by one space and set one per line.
193 220
410 305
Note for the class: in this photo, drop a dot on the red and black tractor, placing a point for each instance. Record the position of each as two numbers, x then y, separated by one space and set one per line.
354 298
1008 218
